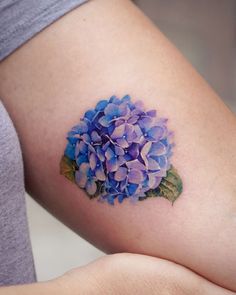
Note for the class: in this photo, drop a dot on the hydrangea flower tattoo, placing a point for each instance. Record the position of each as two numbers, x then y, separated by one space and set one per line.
118 150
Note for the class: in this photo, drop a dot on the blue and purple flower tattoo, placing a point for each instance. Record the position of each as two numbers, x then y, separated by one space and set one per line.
118 150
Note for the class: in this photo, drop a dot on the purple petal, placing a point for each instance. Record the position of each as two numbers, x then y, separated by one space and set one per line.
152 113
121 160
118 132
129 131
162 121
100 174
121 174
158 149
91 148
130 137
95 137
161 173
123 185
153 181
146 123
152 164
156 132
91 187
122 142
139 105
106 145
138 130
145 150
135 176
84 167
123 109
138 134
119 151
129 128
80 178
133 119
134 150
92 161
119 121
135 164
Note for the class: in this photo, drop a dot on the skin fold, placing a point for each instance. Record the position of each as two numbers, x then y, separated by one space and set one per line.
124 274
109 47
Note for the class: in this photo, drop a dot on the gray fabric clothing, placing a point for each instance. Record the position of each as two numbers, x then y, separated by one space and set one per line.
20 20
16 259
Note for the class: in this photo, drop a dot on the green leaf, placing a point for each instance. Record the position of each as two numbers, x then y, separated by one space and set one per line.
68 168
170 187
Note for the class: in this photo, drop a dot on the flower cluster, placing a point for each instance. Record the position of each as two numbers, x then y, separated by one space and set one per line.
121 150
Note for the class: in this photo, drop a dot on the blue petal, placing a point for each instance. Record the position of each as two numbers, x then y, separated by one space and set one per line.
120 198
110 200
131 188
125 98
100 154
111 110
114 100
72 139
109 154
89 115
101 105
112 165
105 121
81 147
162 160
86 138
111 129
70 151
95 136
82 159
99 172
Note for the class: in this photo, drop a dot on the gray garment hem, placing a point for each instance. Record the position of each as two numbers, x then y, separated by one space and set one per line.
22 20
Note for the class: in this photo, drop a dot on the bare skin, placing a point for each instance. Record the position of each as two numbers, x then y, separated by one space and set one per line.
109 47
124 274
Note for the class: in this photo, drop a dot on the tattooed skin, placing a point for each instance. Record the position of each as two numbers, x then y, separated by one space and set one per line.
118 150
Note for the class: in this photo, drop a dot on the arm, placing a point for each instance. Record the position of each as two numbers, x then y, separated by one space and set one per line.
123 274
108 47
